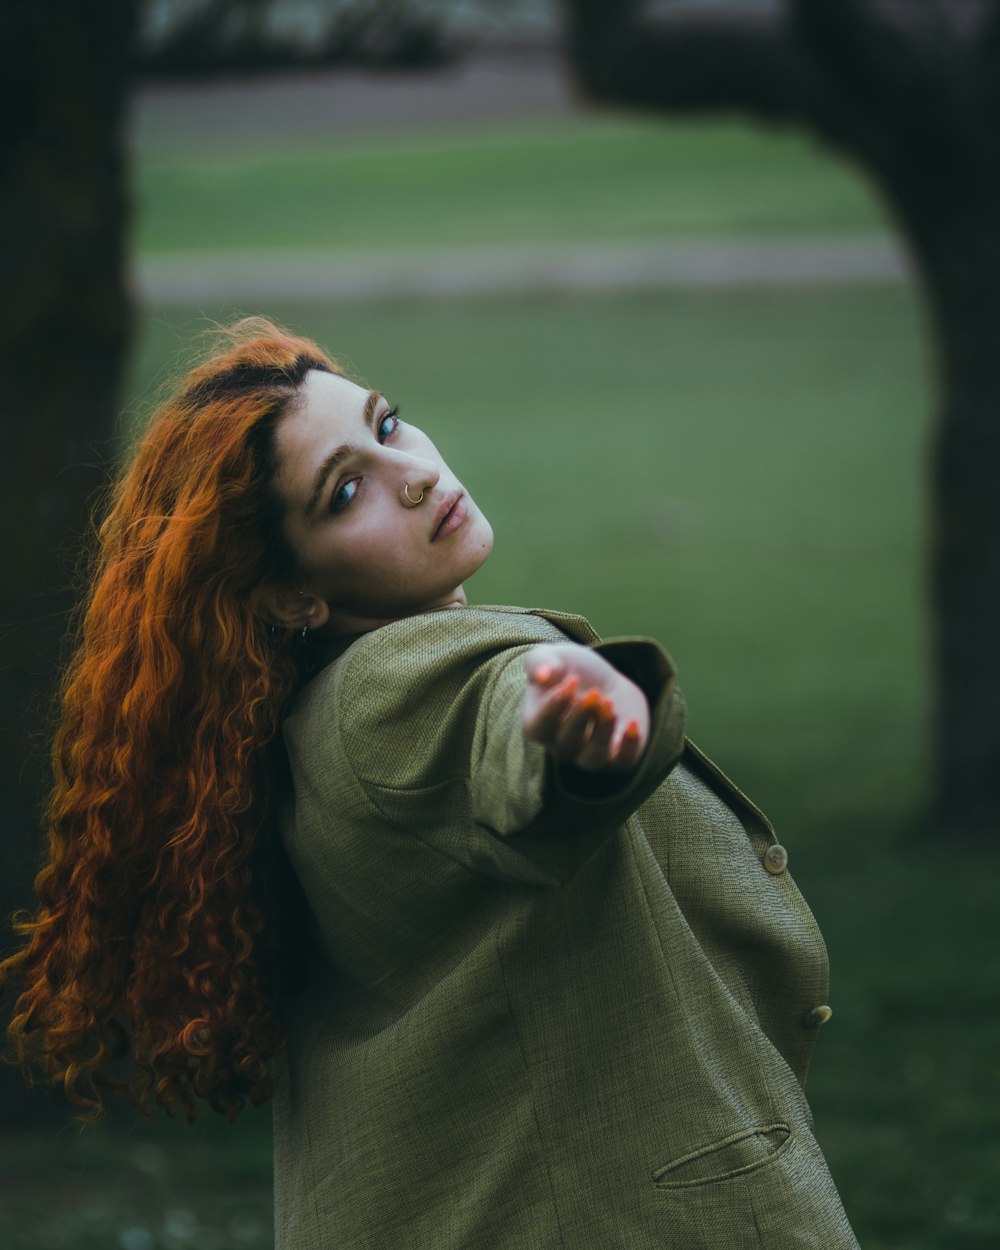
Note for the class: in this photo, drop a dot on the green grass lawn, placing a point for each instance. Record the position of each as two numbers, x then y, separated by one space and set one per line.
598 176
741 476
736 474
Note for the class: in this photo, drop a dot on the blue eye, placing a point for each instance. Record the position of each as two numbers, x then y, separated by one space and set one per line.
386 427
342 497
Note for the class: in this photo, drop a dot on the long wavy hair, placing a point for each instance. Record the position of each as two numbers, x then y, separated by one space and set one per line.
156 960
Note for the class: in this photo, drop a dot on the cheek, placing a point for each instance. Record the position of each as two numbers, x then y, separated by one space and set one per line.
367 555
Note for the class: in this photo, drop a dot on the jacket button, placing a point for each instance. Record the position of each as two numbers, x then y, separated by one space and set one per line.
776 859
819 1015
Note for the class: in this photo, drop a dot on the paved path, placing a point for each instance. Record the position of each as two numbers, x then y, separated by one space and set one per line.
245 113
431 272
522 87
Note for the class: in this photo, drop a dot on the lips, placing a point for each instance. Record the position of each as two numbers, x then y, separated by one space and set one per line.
445 511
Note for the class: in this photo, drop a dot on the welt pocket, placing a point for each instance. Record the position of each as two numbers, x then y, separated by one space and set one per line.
730 1156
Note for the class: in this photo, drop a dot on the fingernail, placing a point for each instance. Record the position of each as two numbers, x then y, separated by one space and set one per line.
632 729
543 673
569 685
592 699
608 709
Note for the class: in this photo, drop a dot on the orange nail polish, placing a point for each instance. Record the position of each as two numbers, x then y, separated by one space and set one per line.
591 700
632 729
543 673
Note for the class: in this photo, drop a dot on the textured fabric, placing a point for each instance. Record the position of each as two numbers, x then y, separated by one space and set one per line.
550 1009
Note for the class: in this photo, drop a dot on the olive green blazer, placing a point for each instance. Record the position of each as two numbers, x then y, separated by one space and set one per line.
551 1010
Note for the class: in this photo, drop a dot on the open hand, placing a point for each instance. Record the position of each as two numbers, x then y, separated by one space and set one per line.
582 710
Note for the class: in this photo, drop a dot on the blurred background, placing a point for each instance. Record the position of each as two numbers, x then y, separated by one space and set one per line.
693 297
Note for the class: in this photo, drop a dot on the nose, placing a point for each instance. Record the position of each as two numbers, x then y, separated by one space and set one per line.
418 476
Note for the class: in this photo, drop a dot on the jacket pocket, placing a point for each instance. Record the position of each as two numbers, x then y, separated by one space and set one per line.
734 1155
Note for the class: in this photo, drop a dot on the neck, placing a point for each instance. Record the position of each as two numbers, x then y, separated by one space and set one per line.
343 624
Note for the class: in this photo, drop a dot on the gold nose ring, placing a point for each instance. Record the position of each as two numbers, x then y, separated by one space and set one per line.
406 491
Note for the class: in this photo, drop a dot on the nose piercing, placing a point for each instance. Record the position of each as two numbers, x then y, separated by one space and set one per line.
406 492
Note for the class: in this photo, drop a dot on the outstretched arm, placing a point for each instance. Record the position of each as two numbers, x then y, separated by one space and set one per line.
583 710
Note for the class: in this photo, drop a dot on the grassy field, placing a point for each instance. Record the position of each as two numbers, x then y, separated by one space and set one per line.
593 177
740 475
737 474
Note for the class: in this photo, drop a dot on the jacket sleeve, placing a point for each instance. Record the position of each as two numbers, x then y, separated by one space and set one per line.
517 786
431 724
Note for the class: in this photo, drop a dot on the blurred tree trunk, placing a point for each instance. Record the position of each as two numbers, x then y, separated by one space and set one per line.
64 327
911 92
960 257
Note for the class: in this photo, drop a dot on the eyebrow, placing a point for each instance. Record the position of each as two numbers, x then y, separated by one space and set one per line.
338 456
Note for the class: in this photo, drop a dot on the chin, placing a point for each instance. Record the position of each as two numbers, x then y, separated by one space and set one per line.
481 538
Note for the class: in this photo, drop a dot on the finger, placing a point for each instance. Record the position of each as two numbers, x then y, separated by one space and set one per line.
544 665
544 724
597 753
577 725
630 747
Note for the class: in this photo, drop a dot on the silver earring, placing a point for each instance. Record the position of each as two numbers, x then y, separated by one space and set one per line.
305 632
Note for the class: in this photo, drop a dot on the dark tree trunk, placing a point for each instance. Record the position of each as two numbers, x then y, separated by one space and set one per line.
961 267
965 581
942 180
909 92
64 323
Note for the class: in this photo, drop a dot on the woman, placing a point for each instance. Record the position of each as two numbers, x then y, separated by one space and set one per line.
559 988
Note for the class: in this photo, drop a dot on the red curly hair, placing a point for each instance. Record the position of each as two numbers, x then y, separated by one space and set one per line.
153 962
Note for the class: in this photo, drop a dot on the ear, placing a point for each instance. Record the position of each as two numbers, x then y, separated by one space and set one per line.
291 609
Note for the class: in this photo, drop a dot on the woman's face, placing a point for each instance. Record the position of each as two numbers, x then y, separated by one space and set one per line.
344 461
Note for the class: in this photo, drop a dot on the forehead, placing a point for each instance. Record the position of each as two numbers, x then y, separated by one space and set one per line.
328 412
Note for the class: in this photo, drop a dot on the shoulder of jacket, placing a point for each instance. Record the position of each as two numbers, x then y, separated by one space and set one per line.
425 647
467 631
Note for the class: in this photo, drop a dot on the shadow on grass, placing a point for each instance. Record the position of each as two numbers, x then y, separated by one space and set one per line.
139 1185
906 1078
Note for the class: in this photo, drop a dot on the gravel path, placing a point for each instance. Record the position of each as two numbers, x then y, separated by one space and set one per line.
430 272
244 113
525 85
